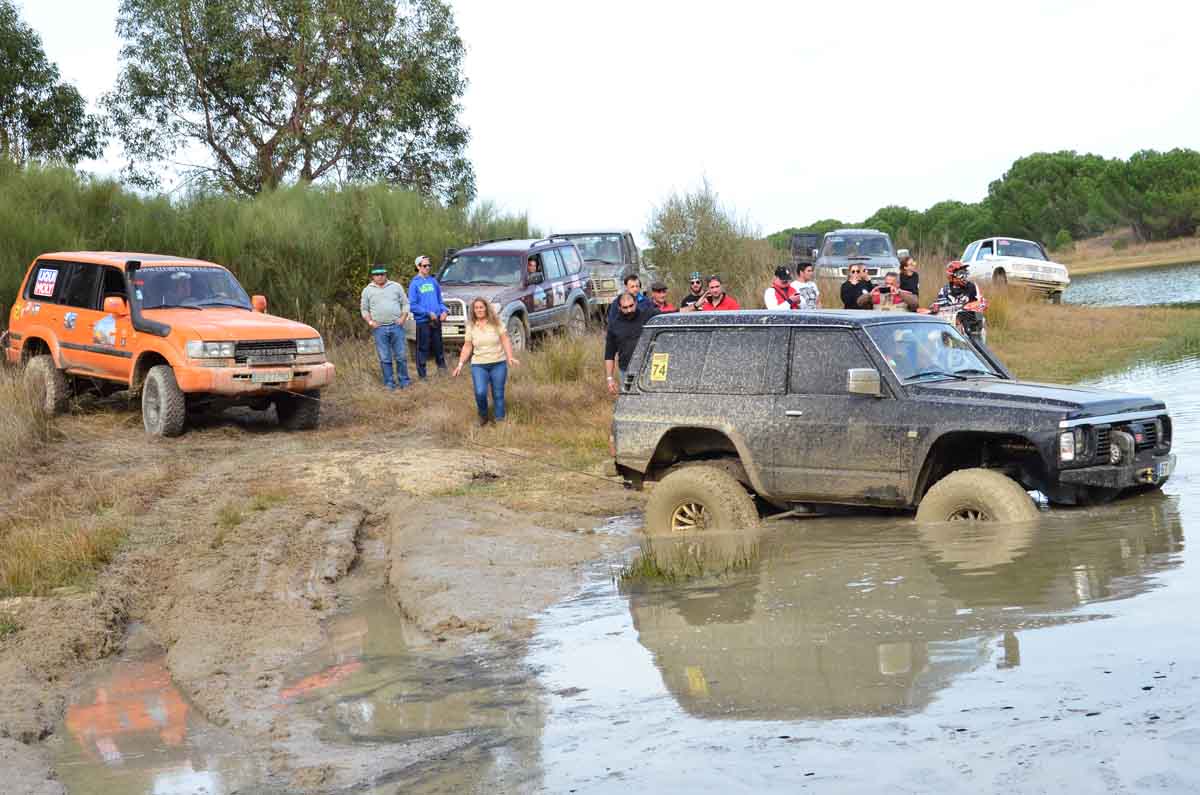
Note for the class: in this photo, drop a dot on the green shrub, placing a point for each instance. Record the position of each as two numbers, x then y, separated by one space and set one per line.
1120 244
1062 240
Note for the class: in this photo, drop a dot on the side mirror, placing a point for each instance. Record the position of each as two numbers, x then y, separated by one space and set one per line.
259 302
535 278
863 381
115 305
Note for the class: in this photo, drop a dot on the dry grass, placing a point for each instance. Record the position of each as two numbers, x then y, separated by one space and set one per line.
1118 251
65 531
24 426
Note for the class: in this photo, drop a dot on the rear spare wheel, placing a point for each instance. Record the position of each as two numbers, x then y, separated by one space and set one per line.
47 384
983 495
699 498
300 412
164 408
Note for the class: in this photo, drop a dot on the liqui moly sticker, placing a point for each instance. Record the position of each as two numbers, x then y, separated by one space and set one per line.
46 279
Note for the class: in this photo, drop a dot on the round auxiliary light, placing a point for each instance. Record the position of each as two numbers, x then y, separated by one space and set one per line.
1114 454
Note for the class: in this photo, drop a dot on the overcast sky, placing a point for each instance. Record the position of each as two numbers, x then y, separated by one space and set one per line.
586 114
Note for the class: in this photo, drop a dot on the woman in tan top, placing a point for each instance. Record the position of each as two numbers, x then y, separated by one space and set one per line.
486 343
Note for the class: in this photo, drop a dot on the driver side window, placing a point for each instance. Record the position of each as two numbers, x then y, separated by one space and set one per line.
984 248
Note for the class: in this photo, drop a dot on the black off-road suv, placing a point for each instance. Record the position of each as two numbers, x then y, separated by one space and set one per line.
854 408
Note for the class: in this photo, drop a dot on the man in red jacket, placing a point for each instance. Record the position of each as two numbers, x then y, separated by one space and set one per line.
716 299
658 293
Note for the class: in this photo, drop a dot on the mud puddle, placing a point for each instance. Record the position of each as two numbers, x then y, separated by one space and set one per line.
862 654
1168 285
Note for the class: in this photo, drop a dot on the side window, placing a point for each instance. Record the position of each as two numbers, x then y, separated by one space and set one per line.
726 361
820 359
985 248
114 284
552 264
82 288
970 252
631 247
46 281
570 258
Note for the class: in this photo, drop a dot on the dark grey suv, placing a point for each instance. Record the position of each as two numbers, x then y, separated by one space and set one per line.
859 408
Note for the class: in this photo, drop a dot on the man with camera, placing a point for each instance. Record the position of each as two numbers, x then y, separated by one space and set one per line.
891 297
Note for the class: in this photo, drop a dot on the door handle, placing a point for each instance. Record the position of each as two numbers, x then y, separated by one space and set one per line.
793 413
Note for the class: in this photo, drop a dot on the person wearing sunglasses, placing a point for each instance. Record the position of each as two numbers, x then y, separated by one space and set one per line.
856 290
695 293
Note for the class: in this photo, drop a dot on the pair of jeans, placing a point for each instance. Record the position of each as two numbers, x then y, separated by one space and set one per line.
493 375
429 343
390 344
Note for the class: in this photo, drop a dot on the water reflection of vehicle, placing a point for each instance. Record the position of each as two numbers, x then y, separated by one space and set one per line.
834 623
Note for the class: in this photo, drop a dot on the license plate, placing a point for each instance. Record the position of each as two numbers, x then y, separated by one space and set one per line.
1164 469
452 330
271 377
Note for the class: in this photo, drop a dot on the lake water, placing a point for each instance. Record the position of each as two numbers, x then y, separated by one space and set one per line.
1168 285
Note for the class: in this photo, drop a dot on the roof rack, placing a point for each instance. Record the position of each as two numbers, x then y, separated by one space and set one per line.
551 239
493 240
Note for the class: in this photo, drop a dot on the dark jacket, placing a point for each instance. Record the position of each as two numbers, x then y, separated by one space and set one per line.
644 302
623 333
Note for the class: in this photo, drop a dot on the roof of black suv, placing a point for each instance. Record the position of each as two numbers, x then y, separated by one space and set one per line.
512 246
763 317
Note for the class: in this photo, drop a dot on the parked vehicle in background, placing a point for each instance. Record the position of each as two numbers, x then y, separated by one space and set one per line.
556 295
1011 260
180 333
805 247
869 248
887 410
609 255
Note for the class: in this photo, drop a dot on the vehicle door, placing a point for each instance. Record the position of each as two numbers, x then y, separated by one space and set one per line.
576 278
79 302
42 315
542 312
834 446
730 375
982 265
112 333
631 252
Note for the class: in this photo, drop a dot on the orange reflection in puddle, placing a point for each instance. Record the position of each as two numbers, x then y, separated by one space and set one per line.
137 701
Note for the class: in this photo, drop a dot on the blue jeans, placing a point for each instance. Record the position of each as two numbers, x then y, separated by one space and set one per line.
389 343
494 375
429 342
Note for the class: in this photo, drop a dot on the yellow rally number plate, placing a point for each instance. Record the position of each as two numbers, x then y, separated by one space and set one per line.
658 366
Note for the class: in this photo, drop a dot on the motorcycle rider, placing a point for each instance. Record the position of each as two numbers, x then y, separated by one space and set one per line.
960 299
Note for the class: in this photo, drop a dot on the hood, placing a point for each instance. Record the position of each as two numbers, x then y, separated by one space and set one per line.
490 292
1028 264
1071 401
227 324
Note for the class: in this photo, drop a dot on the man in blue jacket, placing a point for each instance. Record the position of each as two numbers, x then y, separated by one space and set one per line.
633 286
425 296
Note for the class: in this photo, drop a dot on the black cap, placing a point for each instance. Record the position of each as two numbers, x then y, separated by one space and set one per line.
782 273
658 285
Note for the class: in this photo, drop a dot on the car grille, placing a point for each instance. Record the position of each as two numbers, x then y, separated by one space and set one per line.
1103 442
265 352
456 309
604 289
1147 437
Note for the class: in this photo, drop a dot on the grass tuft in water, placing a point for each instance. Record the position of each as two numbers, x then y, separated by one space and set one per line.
672 561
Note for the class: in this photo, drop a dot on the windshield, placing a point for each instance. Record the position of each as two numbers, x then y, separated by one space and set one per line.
483 269
928 351
857 246
599 247
188 285
1019 248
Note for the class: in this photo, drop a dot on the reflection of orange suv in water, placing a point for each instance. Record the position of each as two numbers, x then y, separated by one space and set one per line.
182 333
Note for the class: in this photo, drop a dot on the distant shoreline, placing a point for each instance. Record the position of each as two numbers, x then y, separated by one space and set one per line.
1132 263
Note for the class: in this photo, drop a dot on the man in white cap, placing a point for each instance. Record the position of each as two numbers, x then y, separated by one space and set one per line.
425 296
385 308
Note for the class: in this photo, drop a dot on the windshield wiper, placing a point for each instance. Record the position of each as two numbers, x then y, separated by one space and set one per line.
224 303
939 373
174 306
974 371
605 261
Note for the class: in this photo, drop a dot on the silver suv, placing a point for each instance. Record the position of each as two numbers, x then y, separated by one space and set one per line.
867 247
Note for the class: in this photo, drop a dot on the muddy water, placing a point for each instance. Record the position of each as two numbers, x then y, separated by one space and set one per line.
1168 285
865 655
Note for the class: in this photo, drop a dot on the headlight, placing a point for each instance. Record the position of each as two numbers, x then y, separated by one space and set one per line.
313 345
1066 446
497 308
210 350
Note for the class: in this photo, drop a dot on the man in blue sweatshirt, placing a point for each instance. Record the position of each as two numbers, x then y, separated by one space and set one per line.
633 286
425 295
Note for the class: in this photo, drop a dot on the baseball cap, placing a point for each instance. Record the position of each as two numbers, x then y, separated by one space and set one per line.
657 285
902 254
417 261
379 270
782 273
695 277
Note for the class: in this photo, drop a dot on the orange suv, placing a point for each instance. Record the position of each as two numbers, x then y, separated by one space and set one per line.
181 333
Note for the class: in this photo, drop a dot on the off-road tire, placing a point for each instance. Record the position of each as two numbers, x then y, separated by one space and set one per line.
1000 278
517 333
577 322
710 498
164 406
976 494
299 412
1056 298
47 384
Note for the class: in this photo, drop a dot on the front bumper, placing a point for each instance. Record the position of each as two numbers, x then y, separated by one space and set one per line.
241 381
1144 470
1046 286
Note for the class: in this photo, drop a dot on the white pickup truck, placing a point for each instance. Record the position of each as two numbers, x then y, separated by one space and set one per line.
1010 260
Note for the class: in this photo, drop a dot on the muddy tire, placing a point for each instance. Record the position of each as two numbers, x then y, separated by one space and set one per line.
982 495
577 323
699 498
517 334
1000 278
47 384
299 412
1056 298
164 407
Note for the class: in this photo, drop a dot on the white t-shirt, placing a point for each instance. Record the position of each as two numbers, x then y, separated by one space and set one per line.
810 294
